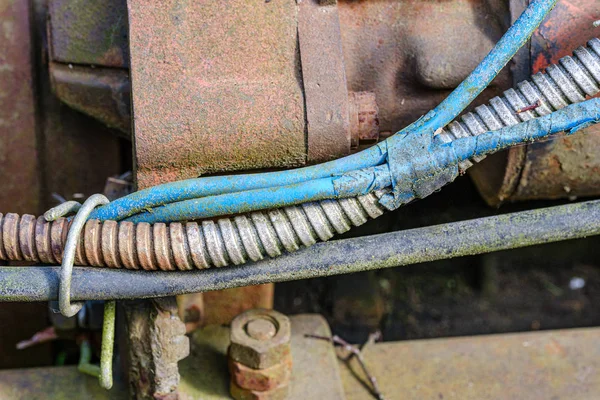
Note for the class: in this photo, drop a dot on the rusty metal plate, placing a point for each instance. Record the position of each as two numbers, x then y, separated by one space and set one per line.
89 32
327 107
215 87
223 305
534 366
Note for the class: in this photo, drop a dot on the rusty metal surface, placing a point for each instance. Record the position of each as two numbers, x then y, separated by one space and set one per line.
412 53
252 347
315 373
19 169
559 168
102 93
18 141
156 342
89 32
56 383
261 379
220 307
215 87
324 78
535 366
76 151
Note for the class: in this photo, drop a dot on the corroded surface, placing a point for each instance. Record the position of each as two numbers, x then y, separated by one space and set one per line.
215 87
178 246
565 167
18 142
255 352
315 372
559 168
156 343
19 168
412 53
536 366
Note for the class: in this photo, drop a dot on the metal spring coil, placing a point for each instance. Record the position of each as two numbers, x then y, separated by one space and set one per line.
564 83
190 245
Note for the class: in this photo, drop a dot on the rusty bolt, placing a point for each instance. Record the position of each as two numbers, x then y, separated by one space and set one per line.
238 393
261 379
364 118
260 344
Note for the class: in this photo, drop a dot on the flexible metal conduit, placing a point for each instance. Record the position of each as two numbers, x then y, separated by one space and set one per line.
412 246
190 245
255 236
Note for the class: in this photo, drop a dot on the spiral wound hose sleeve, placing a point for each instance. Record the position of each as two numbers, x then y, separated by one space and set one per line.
186 246
564 83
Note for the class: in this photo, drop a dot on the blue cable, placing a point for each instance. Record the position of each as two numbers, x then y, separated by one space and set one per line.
449 109
437 157
569 120
337 187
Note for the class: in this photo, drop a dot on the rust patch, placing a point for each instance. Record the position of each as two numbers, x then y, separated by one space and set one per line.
565 166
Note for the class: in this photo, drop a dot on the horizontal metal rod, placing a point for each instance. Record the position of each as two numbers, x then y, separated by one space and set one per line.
393 249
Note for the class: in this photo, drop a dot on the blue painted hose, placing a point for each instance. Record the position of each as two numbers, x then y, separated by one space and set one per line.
449 109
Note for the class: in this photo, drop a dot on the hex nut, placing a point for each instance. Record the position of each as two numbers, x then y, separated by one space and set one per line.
262 352
278 393
261 379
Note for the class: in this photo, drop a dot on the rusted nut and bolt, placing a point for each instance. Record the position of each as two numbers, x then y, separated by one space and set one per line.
238 393
260 360
364 118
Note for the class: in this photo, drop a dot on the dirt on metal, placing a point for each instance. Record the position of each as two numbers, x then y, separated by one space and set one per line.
89 32
218 90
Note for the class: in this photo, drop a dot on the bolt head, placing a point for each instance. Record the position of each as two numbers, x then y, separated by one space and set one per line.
260 338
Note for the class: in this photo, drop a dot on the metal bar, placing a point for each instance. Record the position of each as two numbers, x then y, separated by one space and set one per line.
387 250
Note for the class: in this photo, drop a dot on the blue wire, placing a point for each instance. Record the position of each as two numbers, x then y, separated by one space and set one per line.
449 109
265 198
569 119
